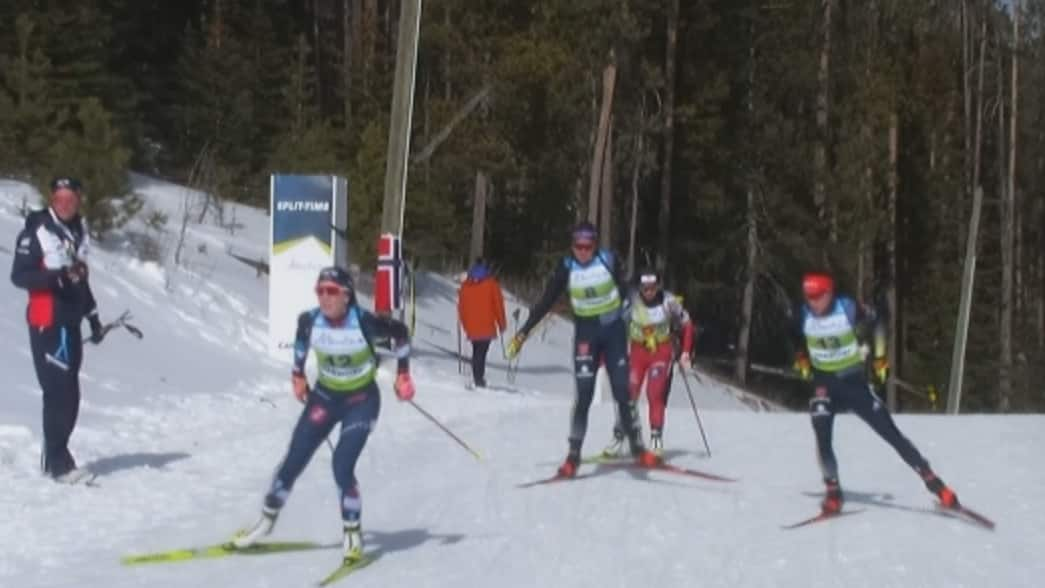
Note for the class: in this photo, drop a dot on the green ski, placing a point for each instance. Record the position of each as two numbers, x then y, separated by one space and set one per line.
220 550
603 459
347 568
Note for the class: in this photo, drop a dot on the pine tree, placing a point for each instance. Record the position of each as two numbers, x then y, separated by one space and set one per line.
91 150
30 121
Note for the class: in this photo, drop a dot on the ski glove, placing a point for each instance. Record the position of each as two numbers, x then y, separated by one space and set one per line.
300 385
803 367
97 331
881 369
404 387
76 272
515 345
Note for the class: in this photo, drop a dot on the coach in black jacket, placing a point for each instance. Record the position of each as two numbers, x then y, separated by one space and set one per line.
49 263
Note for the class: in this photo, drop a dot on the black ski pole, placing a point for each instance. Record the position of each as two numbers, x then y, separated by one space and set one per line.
121 321
693 403
460 358
446 430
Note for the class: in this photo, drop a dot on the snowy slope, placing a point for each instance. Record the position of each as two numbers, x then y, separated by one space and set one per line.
185 427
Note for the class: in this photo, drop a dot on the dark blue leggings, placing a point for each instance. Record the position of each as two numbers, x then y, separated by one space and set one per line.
357 412
835 394
594 341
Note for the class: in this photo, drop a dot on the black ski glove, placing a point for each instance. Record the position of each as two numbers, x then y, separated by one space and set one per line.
97 332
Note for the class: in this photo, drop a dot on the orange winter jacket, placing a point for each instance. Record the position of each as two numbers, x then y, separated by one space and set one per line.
480 308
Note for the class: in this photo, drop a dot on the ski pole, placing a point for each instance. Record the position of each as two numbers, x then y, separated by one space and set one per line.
693 403
446 430
460 358
509 373
513 370
121 321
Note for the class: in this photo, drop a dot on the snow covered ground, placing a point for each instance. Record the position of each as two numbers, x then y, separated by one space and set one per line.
185 427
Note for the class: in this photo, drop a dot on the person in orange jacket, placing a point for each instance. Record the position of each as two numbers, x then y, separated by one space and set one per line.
480 309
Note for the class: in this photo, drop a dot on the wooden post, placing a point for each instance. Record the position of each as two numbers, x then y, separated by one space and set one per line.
606 190
598 158
402 116
478 216
961 335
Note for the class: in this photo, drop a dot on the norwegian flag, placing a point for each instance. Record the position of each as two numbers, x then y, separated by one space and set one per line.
388 291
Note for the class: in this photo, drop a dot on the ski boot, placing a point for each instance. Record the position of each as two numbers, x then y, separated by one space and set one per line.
568 469
832 502
247 537
934 484
644 457
74 476
352 545
616 448
656 442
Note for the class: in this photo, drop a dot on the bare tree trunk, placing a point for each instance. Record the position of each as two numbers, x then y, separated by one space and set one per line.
634 223
890 253
606 205
1008 219
609 80
369 25
865 261
578 198
1041 278
317 54
664 214
217 24
346 60
426 126
444 133
299 83
447 59
747 305
391 29
479 216
358 48
822 102
966 121
640 155
978 146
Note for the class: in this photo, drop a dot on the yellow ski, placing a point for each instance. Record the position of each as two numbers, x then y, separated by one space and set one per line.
220 550
347 568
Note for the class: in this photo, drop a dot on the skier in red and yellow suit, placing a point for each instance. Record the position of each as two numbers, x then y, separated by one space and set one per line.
656 317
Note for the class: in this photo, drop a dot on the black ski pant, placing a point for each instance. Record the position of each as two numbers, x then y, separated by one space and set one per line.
480 347
609 342
836 394
57 356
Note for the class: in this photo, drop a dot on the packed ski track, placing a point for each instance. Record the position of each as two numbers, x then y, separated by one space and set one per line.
184 428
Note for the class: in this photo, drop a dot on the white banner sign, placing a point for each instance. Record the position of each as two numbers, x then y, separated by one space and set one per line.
304 209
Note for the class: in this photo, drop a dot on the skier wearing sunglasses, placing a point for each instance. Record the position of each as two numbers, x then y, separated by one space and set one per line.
341 334
598 295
